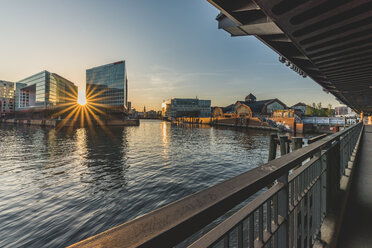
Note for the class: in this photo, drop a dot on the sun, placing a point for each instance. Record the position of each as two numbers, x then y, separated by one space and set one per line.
82 101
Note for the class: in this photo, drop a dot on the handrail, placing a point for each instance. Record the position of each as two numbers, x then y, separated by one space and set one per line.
173 223
316 138
209 238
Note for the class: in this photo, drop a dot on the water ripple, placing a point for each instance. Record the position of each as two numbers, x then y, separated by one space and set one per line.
61 187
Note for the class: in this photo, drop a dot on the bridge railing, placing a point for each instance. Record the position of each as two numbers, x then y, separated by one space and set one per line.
288 213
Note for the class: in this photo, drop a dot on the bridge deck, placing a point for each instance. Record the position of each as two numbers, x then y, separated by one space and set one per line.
357 228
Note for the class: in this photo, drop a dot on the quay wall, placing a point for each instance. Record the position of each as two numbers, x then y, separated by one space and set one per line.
134 122
37 122
69 123
252 122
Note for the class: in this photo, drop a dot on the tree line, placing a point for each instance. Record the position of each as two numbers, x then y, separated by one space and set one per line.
318 110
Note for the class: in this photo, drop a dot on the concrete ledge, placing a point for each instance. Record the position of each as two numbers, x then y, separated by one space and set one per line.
330 229
122 122
37 122
71 123
23 122
249 126
50 123
10 121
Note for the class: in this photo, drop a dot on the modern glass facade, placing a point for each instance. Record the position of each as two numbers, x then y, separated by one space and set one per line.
44 90
6 89
107 85
180 107
6 97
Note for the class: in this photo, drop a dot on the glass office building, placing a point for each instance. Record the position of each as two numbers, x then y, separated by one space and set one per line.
44 90
186 107
107 85
6 98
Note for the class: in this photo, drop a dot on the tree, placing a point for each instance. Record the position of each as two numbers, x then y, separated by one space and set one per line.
330 112
318 110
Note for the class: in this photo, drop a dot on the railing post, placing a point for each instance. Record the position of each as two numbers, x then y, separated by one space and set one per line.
296 144
283 232
333 177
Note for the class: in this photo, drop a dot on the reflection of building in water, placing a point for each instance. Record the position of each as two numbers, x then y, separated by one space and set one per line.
107 155
181 107
107 86
166 135
6 98
44 90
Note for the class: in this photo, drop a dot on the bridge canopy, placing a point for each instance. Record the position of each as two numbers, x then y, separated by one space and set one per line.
329 41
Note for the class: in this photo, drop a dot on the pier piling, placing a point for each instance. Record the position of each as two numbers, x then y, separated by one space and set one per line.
273 146
283 140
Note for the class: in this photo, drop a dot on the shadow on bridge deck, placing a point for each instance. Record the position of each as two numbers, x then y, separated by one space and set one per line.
357 226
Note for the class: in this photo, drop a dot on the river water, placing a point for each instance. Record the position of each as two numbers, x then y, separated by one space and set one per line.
61 186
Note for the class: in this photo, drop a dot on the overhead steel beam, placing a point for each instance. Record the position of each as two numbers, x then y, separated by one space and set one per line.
331 41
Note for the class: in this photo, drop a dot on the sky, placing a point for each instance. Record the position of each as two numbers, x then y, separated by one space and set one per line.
172 48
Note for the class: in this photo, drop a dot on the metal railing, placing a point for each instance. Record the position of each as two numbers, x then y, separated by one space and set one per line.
288 214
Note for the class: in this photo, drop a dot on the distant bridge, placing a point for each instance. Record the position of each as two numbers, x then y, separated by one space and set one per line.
332 121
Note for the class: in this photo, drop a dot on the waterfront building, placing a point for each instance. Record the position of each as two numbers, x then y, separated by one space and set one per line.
152 114
303 108
249 108
140 115
341 111
260 108
6 98
344 111
129 106
107 86
44 90
224 112
243 111
186 107
284 113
